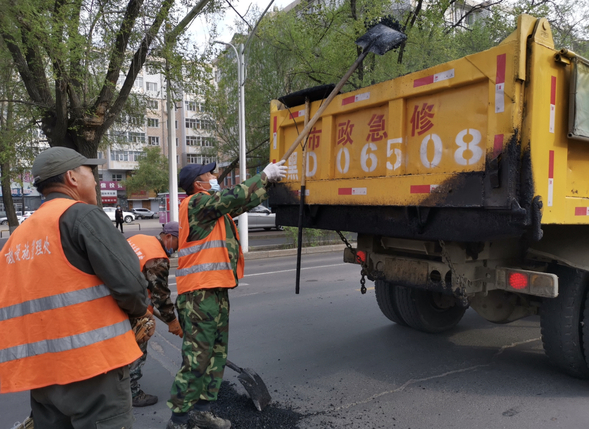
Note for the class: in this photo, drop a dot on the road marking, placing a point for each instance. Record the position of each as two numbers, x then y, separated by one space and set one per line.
294 269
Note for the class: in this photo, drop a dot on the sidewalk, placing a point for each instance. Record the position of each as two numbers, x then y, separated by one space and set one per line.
275 253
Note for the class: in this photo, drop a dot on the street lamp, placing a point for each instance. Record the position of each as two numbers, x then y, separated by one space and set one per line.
240 55
243 219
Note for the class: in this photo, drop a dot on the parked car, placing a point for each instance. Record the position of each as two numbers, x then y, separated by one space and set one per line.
141 213
127 216
4 220
261 217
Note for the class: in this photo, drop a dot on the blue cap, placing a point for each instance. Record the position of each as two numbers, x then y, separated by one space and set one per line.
171 227
189 174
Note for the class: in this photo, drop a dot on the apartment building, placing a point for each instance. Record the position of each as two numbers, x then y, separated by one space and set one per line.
194 140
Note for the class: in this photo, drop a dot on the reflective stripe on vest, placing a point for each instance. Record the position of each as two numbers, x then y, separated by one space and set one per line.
147 247
205 263
59 325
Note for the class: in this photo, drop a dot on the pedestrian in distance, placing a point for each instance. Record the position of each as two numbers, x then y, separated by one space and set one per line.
210 262
119 218
69 285
154 259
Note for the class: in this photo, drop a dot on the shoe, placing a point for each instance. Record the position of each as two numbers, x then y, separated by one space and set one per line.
142 399
172 425
207 420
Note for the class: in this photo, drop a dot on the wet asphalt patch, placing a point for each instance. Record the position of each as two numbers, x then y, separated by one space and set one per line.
242 413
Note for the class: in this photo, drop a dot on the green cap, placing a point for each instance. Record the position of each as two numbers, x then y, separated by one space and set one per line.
57 160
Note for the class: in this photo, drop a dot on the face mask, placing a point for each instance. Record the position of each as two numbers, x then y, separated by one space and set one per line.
169 251
214 185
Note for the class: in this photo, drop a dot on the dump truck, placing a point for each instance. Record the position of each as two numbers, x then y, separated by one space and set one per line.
467 185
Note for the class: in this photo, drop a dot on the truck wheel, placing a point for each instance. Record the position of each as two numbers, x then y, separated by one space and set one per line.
561 320
428 311
386 299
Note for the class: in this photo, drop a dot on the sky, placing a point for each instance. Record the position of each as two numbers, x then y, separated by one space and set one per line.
200 28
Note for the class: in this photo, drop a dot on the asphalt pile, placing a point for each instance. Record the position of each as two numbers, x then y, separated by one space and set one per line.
242 413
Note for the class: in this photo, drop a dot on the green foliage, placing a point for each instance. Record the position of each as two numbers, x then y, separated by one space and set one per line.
152 173
313 237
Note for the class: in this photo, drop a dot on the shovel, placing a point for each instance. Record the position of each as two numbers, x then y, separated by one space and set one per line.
379 39
253 383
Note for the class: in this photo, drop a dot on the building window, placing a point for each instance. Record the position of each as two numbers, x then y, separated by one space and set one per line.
191 106
117 177
200 159
191 123
100 177
176 141
138 82
176 123
192 141
154 141
153 104
153 123
151 86
136 137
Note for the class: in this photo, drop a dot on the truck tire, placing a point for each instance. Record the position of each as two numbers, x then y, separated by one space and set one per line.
386 299
428 311
561 320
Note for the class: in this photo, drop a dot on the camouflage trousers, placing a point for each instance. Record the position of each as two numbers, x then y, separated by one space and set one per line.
135 370
204 318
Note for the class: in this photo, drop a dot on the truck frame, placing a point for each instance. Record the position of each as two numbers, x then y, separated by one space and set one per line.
466 184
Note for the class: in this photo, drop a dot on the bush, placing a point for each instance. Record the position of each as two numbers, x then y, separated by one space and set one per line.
312 237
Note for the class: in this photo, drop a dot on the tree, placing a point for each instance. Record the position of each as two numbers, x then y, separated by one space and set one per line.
17 135
79 59
152 173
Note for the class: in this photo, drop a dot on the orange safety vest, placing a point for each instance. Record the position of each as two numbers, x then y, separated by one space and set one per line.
205 264
59 325
147 247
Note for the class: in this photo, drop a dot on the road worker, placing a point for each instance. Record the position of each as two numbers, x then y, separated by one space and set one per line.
69 285
210 262
154 258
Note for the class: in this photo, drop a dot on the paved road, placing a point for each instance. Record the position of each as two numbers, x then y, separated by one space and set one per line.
257 237
331 360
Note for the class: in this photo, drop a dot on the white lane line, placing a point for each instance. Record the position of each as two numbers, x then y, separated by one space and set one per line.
294 269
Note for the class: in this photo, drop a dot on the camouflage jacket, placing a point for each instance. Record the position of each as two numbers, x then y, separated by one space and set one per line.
156 273
205 208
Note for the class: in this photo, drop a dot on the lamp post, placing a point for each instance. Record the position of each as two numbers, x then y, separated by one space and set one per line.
241 75
173 165
243 219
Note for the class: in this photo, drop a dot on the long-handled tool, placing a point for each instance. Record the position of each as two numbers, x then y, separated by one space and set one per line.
253 383
379 39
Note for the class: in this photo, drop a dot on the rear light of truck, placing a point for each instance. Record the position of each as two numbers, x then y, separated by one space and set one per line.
529 282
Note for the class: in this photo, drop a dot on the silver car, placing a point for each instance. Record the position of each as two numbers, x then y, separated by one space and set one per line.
261 217
141 213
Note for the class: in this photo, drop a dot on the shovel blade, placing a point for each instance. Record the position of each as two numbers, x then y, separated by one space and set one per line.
380 39
255 387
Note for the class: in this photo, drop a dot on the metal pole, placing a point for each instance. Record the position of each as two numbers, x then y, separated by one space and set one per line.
243 219
173 166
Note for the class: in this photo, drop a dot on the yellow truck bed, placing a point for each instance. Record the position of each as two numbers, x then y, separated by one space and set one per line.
472 149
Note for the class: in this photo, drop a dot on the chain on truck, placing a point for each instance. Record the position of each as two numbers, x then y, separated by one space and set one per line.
467 186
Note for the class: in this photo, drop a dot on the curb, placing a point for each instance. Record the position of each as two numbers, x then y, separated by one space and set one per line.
263 254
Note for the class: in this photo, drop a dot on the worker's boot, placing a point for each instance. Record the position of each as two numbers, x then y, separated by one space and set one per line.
172 425
142 399
207 420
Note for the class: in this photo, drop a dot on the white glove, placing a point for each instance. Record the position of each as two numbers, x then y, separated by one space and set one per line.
276 171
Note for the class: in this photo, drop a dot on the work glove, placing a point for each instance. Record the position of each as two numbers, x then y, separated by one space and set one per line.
275 171
143 327
174 328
